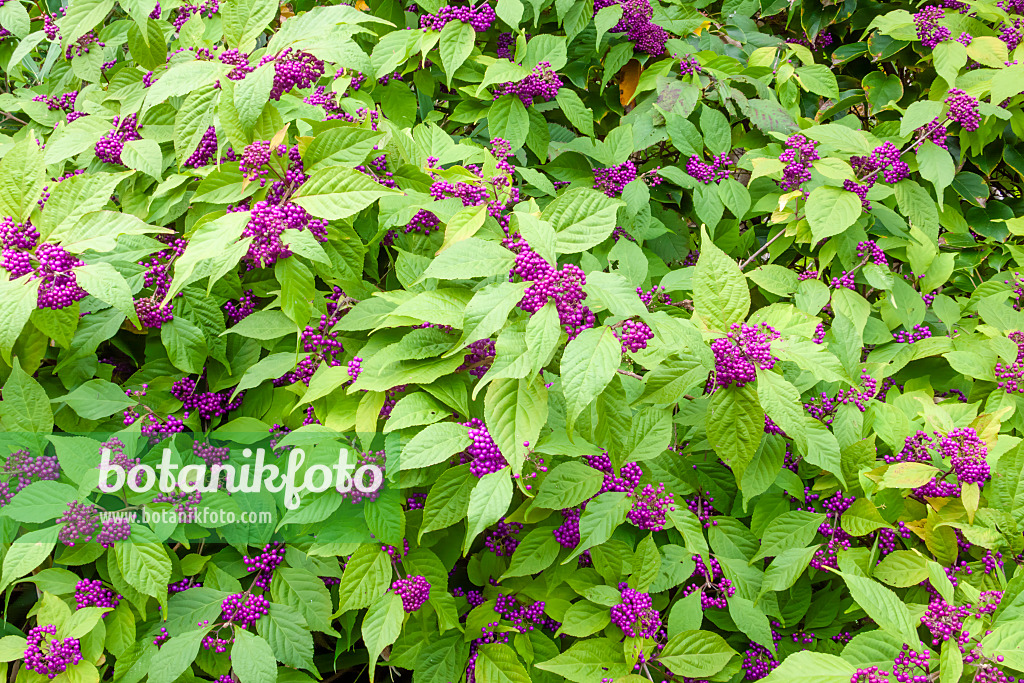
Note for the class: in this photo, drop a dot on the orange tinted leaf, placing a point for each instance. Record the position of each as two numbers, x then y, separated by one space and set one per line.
630 79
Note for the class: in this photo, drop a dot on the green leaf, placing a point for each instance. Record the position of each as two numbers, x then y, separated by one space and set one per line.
469 258
793 529
381 625
448 499
787 567
535 553
812 667
862 518
919 114
289 639
40 501
599 521
25 406
498 663
175 657
18 298
902 569
185 344
97 399
568 485
720 293
488 310
144 155
392 50
615 293
306 593
583 218
336 192
696 654
577 113
716 130
830 211
514 411
885 608
818 79
22 174
488 503
507 119
735 426
252 659
367 575
775 279
588 660
244 21
104 282
916 204
456 45
435 443
752 621
588 365
26 553
143 561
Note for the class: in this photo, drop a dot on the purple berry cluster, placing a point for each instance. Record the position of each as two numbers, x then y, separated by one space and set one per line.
92 593
414 591
22 468
377 458
963 109
320 343
634 335
820 42
208 404
108 148
758 662
479 358
205 151
244 609
541 85
926 20
184 502
715 172
564 286
884 160
650 507
708 580
81 523
112 530
502 540
741 352
635 614
264 564
918 333
185 12
613 180
47 262
824 408
798 155
267 222
871 253
241 308
55 657
481 17
423 223
689 66
483 455
966 452
636 23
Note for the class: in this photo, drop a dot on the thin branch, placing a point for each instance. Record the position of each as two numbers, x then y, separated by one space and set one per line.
759 251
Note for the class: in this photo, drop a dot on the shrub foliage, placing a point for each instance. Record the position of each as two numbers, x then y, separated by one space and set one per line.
688 335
